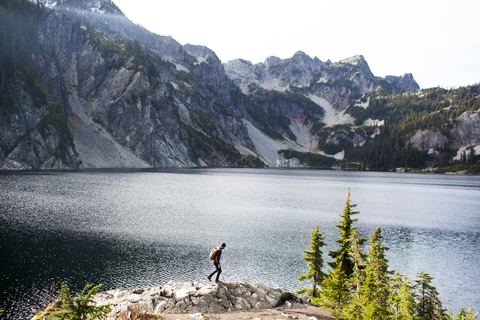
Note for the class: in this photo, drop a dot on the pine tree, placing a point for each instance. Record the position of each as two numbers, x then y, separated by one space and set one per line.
395 287
463 315
406 301
358 257
377 277
429 304
335 294
82 307
355 308
342 256
370 297
315 262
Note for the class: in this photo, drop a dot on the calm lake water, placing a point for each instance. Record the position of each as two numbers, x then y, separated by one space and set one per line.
144 228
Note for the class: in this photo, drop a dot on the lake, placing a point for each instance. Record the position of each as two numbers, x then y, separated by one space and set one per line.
127 229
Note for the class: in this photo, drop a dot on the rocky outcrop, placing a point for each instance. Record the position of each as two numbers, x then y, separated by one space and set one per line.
466 130
195 297
427 139
404 82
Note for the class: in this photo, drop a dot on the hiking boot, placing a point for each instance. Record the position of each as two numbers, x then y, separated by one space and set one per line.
209 278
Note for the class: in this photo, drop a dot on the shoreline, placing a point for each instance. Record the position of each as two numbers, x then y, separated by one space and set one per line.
195 300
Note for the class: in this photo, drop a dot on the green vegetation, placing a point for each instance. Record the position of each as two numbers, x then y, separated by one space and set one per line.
269 107
388 147
210 146
18 37
342 258
315 263
359 284
19 78
57 119
82 307
311 159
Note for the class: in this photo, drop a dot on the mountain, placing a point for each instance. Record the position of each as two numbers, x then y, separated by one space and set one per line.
95 6
84 87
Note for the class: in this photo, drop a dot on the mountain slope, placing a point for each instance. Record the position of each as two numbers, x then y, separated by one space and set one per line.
83 87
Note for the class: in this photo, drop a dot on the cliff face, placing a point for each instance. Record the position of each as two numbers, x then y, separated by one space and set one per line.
122 102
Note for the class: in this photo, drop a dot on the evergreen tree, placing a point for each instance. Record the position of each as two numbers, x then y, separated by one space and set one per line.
355 309
343 256
315 263
358 257
370 299
406 301
429 305
395 286
463 315
335 294
377 277
82 307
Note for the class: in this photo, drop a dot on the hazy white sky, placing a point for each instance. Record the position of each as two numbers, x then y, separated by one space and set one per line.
438 41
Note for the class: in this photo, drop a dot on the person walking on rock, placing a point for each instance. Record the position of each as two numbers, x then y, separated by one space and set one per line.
216 262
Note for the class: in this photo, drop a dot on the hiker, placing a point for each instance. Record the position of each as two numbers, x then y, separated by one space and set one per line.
216 262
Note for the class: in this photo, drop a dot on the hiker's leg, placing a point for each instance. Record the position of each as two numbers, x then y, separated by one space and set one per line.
218 274
211 274
216 270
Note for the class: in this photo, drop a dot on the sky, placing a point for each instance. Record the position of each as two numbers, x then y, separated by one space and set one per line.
437 41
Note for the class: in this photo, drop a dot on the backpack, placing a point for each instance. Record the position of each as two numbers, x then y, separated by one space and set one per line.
213 253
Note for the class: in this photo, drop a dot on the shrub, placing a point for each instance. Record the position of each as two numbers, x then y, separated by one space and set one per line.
81 308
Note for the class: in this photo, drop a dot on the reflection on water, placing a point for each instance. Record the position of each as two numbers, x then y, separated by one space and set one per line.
143 228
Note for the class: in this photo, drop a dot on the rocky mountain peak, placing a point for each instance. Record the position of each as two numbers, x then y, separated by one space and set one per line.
301 58
95 6
201 53
360 62
403 82
300 55
271 61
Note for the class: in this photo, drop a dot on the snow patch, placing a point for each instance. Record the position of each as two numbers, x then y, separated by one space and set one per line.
466 149
363 105
179 67
47 3
374 122
322 80
97 10
340 155
200 60
174 85
332 117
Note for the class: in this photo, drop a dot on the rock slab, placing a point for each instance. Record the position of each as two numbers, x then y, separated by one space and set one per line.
195 297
